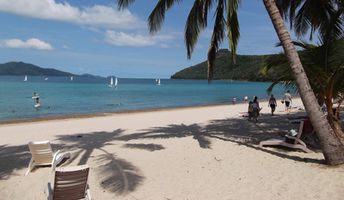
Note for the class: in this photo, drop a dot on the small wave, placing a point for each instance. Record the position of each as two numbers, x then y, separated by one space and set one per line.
113 104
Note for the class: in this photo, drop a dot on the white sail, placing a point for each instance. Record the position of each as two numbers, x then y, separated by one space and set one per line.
111 82
25 78
116 82
159 82
71 78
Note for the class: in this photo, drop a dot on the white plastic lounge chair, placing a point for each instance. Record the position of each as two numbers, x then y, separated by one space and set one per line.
43 155
70 184
296 143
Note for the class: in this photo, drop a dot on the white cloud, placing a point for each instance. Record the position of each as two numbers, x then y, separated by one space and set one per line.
137 40
32 43
97 15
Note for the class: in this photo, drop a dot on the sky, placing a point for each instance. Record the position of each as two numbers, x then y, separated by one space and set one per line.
93 36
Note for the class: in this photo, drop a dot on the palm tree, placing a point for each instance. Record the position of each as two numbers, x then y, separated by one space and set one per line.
326 17
226 18
332 146
327 82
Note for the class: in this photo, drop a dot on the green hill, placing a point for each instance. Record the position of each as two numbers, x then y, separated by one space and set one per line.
20 68
247 67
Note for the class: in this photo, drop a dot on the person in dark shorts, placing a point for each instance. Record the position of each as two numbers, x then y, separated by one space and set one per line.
287 101
272 104
256 109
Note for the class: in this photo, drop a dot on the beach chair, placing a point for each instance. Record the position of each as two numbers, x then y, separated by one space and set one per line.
43 155
293 142
70 184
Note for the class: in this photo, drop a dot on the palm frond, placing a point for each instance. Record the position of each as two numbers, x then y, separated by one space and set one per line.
288 9
207 6
302 20
217 37
157 16
233 29
323 69
333 28
195 23
122 4
301 43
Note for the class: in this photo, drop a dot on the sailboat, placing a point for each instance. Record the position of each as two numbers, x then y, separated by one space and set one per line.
71 78
111 83
25 78
158 82
116 82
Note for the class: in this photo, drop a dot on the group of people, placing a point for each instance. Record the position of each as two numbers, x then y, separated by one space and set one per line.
254 108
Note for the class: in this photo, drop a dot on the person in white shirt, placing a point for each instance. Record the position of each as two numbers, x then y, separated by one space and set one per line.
287 100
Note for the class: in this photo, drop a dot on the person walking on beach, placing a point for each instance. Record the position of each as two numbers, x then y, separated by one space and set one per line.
250 110
287 100
272 104
246 99
256 109
234 100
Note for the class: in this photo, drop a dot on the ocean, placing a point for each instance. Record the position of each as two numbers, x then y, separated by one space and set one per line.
60 96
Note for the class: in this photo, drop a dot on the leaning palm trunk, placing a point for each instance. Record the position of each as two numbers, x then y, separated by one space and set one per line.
333 118
333 148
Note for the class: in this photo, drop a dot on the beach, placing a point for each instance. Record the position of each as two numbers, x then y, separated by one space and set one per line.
193 153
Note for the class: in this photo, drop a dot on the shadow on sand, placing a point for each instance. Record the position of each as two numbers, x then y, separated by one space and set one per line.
115 174
120 176
237 130
13 158
148 147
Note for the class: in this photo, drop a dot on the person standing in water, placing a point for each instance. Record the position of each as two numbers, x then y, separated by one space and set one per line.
35 98
272 104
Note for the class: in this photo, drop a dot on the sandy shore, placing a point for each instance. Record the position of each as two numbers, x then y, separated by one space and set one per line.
191 153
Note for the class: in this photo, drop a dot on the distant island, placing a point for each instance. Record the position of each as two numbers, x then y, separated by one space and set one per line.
21 68
247 68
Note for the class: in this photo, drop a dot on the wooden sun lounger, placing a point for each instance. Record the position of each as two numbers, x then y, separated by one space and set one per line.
70 184
43 155
296 144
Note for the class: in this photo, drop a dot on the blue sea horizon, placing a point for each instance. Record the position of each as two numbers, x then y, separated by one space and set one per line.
60 96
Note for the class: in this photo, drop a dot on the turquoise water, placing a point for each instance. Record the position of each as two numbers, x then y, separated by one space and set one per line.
60 96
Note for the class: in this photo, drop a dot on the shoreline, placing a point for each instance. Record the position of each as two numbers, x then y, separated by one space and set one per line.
104 114
123 112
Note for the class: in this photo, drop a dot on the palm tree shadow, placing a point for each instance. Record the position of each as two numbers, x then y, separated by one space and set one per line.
148 147
249 134
172 131
237 130
117 175
13 158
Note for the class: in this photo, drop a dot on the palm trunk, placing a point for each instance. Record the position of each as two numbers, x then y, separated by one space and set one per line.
331 145
333 119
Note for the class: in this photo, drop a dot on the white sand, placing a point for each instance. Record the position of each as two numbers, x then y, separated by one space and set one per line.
190 153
